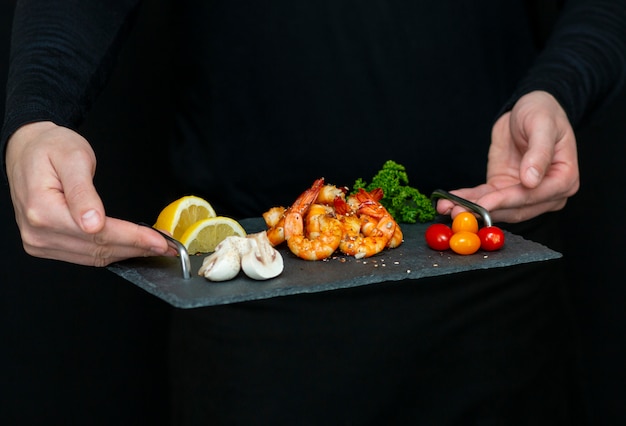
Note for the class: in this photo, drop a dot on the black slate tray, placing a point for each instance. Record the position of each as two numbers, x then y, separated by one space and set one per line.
161 276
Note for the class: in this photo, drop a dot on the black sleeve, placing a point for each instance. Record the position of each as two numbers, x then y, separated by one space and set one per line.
62 53
584 60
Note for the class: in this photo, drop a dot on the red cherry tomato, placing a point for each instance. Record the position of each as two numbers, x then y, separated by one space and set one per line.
491 238
465 221
438 236
465 242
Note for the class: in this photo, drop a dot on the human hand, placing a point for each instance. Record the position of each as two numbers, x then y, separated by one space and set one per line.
532 165
58 211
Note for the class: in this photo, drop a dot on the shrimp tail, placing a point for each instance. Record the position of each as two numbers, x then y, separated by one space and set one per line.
341 206
294 216
377 194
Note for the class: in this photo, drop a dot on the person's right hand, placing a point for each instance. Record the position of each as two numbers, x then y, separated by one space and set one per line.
58 211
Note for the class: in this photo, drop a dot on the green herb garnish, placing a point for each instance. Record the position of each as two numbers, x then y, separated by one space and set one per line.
405 203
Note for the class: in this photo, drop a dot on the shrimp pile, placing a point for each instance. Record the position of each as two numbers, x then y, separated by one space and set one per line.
323 220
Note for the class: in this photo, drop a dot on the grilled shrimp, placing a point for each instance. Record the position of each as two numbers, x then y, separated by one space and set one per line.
323 245
396 239
273 216
372 227
275 221
312 223
376 220
294 216
323 219
328 193
354 243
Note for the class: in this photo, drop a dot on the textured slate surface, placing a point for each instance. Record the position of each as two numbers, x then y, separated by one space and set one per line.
412 260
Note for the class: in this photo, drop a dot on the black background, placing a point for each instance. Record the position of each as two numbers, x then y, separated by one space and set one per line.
79 345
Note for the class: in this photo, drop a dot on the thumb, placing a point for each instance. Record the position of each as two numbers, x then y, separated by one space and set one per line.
538 157
81 196
538 122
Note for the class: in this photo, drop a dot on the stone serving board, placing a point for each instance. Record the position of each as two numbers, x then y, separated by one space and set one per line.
162 277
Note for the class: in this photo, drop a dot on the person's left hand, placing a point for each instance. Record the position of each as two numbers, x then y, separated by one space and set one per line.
532 166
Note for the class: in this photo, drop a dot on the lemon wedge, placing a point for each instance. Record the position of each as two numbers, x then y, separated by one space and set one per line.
181 214
204 235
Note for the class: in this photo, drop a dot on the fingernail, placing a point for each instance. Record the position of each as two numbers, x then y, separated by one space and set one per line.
90 219
533 175
159 250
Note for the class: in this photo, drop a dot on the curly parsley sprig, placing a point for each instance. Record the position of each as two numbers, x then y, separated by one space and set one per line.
405 203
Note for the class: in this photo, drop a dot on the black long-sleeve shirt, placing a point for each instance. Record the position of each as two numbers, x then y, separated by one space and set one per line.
273 94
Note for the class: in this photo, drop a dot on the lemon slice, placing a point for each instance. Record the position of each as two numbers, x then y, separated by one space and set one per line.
179 215
204 235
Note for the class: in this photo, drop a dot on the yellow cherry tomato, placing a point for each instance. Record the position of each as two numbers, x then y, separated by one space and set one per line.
465 242
465 221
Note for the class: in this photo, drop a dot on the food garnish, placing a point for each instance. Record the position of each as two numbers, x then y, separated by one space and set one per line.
465 221
491 238
253 254
464 242
192 221
405 203
204 235
180 214
464 237
438 236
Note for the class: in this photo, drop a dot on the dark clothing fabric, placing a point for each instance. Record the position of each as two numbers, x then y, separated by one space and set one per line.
481 348
322 88
299 90
274 94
